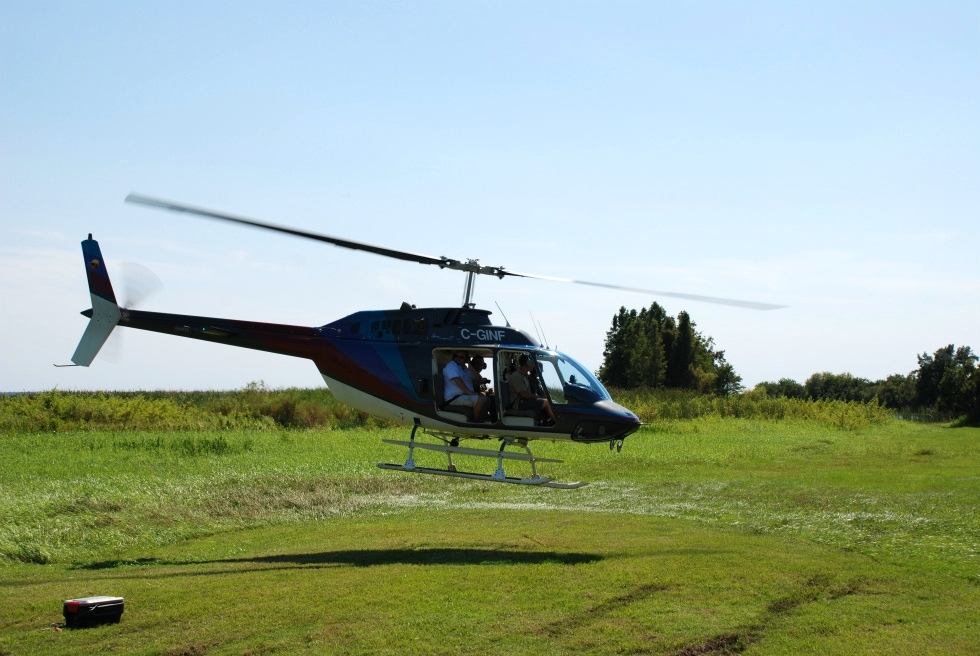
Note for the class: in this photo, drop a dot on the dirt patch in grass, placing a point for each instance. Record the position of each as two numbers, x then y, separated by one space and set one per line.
577 620
196 649
813 589
730 643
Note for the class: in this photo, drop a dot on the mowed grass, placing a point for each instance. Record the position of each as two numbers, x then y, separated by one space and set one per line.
709 536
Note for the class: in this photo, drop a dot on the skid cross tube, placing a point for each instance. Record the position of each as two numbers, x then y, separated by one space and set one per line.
499 476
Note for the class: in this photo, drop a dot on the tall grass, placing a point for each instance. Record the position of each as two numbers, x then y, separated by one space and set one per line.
670 405
254 407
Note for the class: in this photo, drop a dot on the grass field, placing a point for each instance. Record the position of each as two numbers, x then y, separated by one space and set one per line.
704 536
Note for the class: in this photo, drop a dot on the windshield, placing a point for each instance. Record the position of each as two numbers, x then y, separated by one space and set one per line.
568 381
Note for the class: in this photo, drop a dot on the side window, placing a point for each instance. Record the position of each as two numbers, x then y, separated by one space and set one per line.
552 380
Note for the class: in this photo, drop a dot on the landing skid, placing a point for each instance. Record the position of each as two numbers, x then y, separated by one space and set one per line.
449 449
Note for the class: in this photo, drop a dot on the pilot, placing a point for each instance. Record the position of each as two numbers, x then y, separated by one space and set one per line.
458 387
522 398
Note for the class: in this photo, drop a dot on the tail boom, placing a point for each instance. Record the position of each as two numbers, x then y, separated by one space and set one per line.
296 341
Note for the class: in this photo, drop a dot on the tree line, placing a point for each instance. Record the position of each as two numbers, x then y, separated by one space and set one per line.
946 384
650 349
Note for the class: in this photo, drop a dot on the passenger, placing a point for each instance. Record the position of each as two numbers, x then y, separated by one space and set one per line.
476 367
458 387
522 398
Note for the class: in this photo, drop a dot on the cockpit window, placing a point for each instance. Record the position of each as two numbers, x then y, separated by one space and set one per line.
567 381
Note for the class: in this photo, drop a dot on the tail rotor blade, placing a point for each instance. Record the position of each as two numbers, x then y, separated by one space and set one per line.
139 284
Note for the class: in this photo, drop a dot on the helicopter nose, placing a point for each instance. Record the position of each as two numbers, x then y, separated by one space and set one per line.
627 416
630 423
613 422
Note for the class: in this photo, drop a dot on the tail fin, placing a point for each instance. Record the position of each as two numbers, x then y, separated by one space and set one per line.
105 311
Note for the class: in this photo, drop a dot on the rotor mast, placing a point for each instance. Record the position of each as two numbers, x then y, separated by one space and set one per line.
468 287
472 269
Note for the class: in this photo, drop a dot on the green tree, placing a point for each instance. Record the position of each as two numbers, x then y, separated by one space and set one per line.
726 380
650 344
634 352
680 364
784 387
931 371
838 387
668 336
640 355
968 401
616 355
958 386
652 322
898 391
651 349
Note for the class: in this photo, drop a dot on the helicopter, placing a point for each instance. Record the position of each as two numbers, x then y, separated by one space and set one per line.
391 363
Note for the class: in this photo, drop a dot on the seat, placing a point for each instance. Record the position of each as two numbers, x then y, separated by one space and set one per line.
451 411
514 417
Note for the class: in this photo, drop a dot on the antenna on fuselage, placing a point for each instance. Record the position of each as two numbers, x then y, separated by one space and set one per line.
534 322
502 313
545 337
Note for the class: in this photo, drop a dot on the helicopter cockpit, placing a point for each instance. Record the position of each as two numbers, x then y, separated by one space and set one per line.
567 381
557 376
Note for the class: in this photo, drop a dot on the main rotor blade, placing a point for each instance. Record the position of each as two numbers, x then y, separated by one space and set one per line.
751 305
470 266
344 243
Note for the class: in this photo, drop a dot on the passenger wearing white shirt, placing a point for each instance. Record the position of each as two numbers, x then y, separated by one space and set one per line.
458 385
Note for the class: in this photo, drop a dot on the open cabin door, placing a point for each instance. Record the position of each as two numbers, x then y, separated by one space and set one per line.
441 357
507 366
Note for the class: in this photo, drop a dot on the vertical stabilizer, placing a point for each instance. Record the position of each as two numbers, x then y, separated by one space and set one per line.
105 310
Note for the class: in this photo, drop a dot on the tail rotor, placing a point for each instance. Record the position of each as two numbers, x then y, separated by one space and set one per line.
138 285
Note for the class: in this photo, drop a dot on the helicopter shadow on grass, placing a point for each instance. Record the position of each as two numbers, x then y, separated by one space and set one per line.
425 556
374 557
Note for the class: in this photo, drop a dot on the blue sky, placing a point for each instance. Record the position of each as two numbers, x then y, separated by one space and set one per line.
821 155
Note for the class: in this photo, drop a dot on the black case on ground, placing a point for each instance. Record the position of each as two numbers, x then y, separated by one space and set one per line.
92 611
